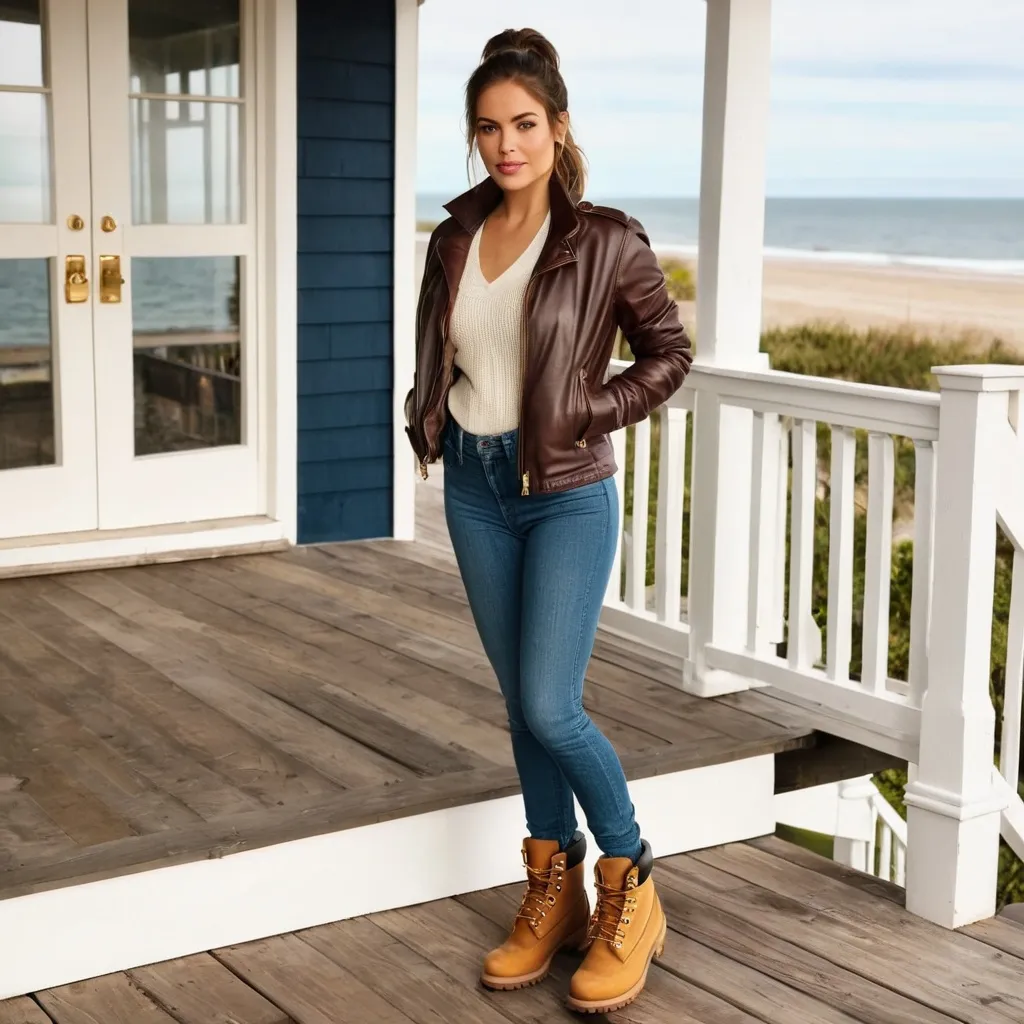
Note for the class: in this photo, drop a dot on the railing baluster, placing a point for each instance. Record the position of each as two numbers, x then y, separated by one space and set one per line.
760 593
1013 697
840 558
921 592
885 854
636 594
613 595
802 644
901 864
878 562
668 531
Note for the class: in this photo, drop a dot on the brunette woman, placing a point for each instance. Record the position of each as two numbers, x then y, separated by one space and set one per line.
524 290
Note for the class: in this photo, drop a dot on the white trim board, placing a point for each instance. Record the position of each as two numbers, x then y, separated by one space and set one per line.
405 287
82 931
141 545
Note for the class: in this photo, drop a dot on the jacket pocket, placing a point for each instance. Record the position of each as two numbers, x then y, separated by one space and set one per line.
584 413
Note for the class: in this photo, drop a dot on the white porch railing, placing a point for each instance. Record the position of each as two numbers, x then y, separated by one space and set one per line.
782 409
752 540
868 834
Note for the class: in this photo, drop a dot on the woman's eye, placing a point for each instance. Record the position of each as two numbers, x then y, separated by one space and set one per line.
526 124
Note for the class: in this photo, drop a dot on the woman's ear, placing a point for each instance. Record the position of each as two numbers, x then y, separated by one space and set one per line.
562 127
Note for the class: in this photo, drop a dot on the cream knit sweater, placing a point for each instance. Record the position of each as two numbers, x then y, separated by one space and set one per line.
487 328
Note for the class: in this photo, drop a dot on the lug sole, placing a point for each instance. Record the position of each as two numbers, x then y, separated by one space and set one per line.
609 1005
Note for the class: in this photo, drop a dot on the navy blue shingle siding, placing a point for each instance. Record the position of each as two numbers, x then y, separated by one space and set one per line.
346 88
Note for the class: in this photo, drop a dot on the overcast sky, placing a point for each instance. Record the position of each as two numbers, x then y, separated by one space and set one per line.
869 97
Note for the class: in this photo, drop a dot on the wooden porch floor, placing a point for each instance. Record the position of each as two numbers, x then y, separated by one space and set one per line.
760 932
160 714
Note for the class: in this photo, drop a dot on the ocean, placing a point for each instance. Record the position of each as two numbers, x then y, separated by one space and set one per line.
983 235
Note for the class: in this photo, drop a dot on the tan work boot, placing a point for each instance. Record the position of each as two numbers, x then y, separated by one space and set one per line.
553 915
627 931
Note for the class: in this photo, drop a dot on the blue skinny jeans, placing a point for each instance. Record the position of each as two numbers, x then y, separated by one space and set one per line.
535 570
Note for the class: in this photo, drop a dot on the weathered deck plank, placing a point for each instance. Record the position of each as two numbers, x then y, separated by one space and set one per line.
159 714
726 962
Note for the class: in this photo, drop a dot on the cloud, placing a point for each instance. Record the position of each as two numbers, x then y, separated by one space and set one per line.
915 95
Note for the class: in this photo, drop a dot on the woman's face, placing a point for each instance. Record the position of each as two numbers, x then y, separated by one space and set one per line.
515 138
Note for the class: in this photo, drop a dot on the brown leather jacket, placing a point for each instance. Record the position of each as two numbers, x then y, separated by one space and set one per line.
595 274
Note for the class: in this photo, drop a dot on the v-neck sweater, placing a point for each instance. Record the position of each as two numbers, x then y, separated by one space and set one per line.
488 330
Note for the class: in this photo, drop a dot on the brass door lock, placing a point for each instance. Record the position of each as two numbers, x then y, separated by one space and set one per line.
76 284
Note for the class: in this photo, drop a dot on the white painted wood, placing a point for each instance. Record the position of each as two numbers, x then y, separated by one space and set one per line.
68 550
647 629
404 287
885 854
954 809
276 72
737 73
1013 697
737 76
889 722
613 593
762 628
840 554
801 645
924 559
878 561
778 624
636 593
70 934
49 499
885 410
668 532
180 486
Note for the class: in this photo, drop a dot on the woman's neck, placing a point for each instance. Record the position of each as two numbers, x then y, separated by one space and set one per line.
525 206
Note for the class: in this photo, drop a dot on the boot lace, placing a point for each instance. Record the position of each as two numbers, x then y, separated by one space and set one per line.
536 899
613 908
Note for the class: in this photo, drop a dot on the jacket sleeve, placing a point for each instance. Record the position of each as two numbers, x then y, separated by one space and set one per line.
649 319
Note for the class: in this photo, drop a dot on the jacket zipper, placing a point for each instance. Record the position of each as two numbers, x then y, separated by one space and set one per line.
524 473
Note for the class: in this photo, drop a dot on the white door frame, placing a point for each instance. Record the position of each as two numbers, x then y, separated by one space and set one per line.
36 500
276 169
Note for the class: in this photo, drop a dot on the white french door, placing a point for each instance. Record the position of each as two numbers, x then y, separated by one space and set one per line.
128 346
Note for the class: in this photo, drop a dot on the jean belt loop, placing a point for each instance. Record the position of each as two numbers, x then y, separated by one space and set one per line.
460 435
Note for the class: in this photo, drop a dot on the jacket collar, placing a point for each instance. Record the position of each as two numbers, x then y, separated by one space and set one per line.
472 208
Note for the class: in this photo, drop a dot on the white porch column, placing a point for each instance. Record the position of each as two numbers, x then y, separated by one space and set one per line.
953 807
737 71
405 287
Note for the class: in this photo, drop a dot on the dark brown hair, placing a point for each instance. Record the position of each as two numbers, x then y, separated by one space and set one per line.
523 55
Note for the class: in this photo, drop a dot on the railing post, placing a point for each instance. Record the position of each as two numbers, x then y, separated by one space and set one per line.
737 73
953 807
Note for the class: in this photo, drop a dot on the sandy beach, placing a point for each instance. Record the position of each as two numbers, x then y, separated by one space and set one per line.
935 302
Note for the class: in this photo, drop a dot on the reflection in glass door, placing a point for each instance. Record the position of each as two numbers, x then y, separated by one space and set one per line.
175 330
47 427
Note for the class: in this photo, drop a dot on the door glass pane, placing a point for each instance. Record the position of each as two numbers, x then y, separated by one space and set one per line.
187 352
24 117
188 47
186 162
21 44
26 365
25 158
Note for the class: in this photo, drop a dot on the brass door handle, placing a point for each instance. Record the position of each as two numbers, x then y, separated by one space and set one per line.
110 279
76 284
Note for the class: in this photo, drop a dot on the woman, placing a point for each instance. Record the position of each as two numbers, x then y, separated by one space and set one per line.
523 292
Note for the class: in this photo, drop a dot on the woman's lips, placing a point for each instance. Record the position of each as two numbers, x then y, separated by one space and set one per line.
509 168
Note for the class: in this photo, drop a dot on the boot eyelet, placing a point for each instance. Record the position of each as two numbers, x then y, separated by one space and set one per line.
625 920
558 888
618 945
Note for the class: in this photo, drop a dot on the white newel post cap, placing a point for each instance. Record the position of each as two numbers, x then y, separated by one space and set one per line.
980 377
